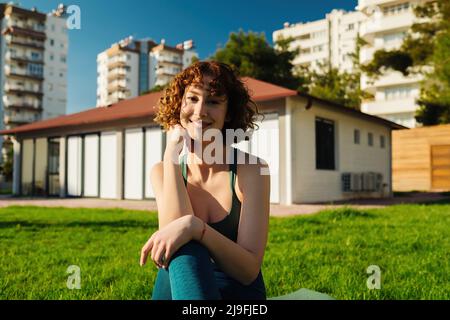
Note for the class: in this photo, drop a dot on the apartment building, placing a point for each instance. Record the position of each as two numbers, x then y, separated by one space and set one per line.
131 67
324 41
386 24
33 76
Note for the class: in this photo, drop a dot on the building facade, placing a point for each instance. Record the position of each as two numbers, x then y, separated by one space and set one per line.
33 76
386 24
316 150
324 41
131 67
383 24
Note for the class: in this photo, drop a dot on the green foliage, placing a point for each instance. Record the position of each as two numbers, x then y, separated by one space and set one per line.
327 252
394 59
156 88
251 55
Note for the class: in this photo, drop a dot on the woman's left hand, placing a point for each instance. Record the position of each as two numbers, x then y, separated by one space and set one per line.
166 241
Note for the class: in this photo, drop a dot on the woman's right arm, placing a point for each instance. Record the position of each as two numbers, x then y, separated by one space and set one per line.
171 195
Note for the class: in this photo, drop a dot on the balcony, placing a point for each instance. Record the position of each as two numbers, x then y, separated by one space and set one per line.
366 5
116 76
22 74
24 42
378 107
19 119
26 30
118 64
116 87
119 95
165 72
392 78
22 90
23 104
169 61
22 58
380 23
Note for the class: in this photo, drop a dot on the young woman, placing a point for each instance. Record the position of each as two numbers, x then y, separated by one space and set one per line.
213 217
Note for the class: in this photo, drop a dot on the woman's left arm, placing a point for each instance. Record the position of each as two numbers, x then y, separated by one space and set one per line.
242 260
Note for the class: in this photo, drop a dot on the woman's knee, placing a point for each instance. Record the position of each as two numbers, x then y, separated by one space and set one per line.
192 248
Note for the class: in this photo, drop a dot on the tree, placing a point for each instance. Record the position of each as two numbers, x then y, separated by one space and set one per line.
156 88
251 55
425 50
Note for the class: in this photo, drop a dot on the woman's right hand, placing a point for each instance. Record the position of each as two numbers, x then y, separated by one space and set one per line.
175 141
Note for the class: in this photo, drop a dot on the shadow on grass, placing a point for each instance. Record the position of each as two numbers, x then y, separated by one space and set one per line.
346 213
83 224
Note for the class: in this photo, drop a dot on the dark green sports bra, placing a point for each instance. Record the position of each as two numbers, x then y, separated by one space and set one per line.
229 225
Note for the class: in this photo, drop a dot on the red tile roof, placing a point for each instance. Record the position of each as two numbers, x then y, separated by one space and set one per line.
141 106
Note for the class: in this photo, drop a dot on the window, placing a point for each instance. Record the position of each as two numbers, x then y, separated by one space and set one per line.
52 42
356 136
324 144
35 56
318 34
35 69
51 57
396 9
350 26
370 139
318 48
63 59
398 92
304 37
382 142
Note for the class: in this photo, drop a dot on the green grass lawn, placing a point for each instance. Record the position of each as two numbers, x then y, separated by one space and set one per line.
327 252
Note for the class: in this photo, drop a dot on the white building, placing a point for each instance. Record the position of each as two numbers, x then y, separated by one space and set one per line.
33 55
386 24
316 150
327 40
131 67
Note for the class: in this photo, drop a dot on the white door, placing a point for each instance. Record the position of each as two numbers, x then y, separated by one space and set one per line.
91 165
108 165
74 166
153 155
265 144
134 153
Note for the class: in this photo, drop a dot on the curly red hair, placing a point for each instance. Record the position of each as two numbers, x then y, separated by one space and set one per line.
242 111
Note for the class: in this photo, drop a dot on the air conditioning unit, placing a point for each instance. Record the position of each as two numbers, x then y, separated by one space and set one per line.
346 182
351 182
368 181
378 182
356 183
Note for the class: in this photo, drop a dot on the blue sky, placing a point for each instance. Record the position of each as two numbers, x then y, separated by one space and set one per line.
208 23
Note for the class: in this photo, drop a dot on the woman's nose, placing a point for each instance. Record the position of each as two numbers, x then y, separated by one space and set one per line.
200 109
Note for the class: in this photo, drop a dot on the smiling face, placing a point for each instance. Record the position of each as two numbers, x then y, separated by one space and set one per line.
199 109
